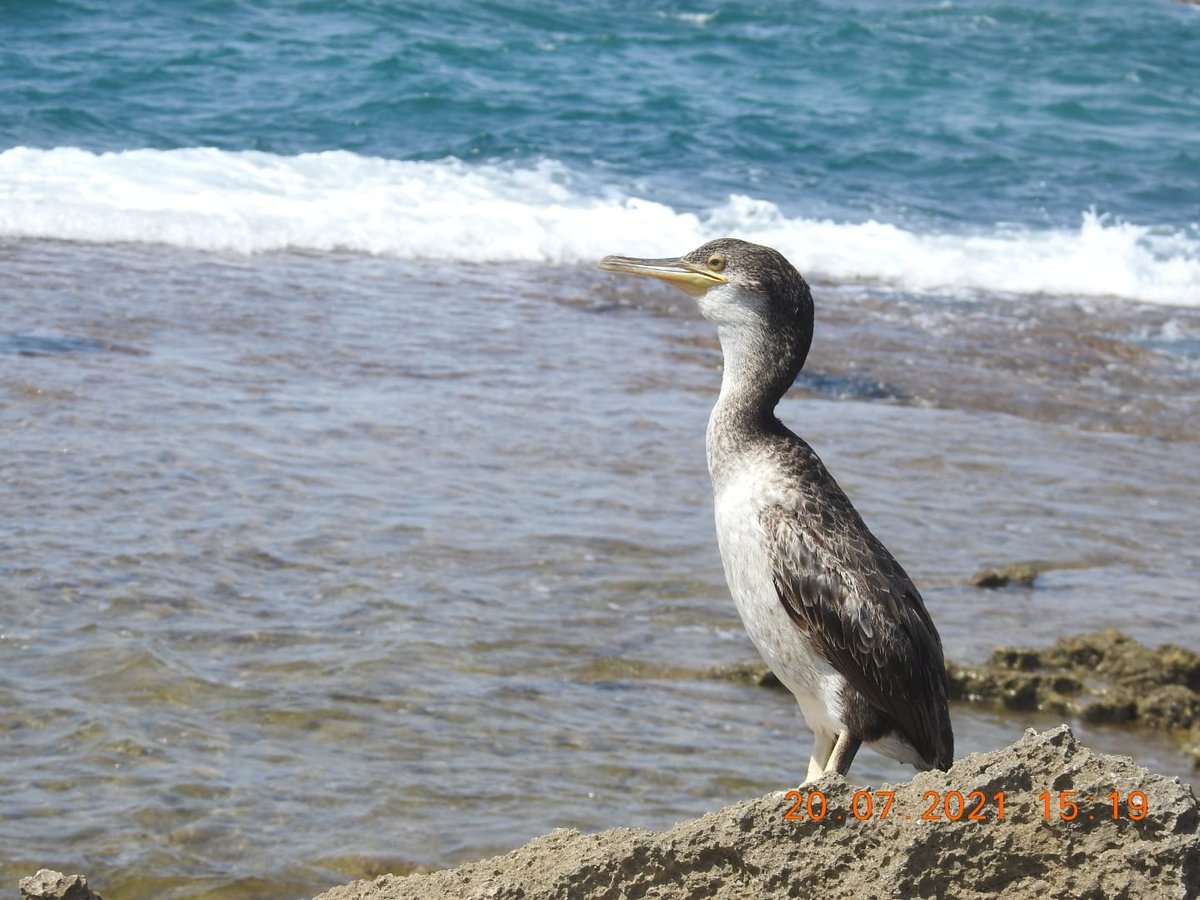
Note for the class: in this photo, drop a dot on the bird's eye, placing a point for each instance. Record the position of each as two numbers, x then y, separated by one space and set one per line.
716 262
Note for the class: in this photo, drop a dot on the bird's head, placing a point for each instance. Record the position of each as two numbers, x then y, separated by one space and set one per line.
750 292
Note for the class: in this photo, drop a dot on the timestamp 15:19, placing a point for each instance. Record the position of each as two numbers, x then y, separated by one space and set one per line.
1133 805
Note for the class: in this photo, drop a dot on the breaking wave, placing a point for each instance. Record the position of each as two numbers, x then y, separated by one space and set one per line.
253 202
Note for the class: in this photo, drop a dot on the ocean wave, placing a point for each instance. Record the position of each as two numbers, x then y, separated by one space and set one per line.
251 202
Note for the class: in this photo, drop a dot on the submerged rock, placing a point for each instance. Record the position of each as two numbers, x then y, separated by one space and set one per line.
1045 817
47 884
754 673
1023 574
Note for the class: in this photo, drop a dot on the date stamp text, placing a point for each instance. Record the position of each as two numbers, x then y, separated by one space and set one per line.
973 806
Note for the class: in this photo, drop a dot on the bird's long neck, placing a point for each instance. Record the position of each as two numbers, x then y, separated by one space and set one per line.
759 369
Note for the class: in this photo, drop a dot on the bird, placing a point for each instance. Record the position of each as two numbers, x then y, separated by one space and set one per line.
827 606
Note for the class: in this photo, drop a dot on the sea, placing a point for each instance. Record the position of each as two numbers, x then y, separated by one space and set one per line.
354 521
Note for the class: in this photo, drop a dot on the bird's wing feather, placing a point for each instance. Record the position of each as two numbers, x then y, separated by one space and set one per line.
854 601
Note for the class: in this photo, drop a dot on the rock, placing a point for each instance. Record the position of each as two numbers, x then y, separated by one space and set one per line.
1103 677
1023 574
752 673
1112 709
749 850
1171 707
50 885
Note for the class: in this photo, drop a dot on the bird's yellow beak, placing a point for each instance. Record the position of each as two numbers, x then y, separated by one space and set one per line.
688 277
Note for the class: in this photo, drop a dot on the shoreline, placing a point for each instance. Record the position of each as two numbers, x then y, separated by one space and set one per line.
1045 816
992 809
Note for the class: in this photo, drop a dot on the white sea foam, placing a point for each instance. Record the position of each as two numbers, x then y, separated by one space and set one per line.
700 20
254 202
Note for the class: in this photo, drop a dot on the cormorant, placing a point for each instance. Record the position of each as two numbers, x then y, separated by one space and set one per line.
829 608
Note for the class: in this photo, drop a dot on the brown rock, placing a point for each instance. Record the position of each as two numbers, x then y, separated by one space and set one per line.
1023 574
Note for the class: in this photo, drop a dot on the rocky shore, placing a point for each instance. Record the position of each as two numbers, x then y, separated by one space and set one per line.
1101 677
1044 817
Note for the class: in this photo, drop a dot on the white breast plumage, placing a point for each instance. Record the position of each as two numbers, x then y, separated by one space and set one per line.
793 658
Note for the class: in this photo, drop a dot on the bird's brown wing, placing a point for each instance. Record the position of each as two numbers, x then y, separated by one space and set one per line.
842 587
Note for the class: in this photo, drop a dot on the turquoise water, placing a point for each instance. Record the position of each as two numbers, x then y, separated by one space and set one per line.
354 520
970 139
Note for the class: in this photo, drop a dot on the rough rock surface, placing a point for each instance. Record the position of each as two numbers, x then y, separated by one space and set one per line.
47 884
1105 676
750 850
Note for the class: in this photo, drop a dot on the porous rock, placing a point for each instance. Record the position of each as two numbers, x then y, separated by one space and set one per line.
47 884
749 850
1102 677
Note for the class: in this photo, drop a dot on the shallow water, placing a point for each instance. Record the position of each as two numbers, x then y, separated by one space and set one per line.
317 563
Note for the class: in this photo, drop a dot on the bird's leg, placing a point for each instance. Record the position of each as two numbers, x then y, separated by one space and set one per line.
843 753
822 747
